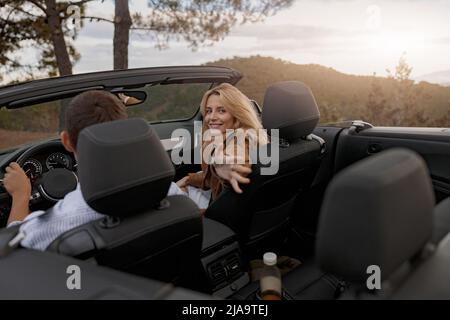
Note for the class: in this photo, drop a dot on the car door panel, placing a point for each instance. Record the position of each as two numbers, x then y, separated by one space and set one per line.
433 144
330 135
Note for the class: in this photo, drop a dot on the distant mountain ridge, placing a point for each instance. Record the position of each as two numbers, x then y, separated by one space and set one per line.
342 96
440 77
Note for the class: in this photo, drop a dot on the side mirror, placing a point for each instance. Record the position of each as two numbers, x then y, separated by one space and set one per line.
131 98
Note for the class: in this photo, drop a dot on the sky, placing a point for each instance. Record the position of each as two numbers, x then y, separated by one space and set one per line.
351 36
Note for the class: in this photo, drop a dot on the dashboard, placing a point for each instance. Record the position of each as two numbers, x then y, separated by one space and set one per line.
36 167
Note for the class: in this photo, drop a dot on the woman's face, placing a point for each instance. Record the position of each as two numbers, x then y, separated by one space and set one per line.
217 116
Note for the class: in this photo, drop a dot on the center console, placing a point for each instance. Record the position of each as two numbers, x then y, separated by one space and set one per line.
222 260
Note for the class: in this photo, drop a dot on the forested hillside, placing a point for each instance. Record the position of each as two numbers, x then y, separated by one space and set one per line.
385 101
380 100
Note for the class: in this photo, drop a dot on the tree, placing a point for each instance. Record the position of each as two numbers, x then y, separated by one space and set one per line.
404 109
12 34
376 103
195 21
329 113
398 104
42 24
52 12
443 120
122 25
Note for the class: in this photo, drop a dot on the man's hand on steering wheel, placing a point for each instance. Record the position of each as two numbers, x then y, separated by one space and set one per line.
18 186
16 182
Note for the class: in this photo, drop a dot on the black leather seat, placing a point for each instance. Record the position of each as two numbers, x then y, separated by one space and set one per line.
35 275
379 211
260 215
125 173
441 221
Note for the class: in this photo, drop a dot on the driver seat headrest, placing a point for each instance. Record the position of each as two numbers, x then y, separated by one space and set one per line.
375 212
123 168
290 107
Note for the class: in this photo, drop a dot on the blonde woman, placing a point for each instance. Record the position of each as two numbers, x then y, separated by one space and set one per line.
224 107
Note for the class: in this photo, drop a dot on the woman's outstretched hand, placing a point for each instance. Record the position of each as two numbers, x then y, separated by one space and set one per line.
234 174
232 169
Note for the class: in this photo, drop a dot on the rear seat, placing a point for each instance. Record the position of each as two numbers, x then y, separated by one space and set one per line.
380 212
308 282
430 279
441 223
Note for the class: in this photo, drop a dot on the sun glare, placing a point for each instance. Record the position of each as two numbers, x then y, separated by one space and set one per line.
394 44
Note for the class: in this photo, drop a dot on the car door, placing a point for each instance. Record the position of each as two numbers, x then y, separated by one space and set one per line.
433 144
350 141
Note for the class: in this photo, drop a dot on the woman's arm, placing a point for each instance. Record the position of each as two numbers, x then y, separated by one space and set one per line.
197 179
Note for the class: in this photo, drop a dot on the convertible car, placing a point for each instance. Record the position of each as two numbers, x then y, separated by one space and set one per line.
353 211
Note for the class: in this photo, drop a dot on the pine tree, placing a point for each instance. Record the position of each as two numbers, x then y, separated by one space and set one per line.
45 25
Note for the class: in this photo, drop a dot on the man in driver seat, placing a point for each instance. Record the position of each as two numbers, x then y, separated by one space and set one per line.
42 227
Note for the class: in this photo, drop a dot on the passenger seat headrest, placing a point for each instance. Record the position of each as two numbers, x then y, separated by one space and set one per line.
290 107
122 167
375 212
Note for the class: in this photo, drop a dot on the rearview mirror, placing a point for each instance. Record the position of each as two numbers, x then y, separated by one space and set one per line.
131 98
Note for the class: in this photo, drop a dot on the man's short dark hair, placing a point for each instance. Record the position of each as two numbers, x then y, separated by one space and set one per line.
92 107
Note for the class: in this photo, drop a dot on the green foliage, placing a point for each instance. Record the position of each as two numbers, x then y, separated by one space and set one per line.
201 22
26 22
23 24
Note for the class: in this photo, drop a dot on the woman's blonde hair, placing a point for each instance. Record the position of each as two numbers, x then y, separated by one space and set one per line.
238 105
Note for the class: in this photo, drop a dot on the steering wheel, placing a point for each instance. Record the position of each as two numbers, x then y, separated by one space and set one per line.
54 184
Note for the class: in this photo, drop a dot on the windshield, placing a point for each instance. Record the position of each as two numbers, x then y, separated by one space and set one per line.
45 120
28 124
170 102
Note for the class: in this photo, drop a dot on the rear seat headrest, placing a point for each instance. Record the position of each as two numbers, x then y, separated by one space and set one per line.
375 212
290 107
122 167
